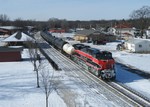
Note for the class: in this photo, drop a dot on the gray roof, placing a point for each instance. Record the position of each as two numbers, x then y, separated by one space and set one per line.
11 48
85 32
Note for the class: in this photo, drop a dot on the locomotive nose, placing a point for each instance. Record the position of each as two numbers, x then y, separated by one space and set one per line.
108 64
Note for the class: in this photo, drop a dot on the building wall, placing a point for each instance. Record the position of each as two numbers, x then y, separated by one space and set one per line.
125 30
143 47
102 37
10 56
81 38
139 47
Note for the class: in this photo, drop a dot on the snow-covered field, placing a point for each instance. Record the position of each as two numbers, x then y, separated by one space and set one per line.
18 86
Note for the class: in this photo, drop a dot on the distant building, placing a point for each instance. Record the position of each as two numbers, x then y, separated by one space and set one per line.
124 31
95 36
147 33
8 54
138 45
3 33
82 35
15 43
18 39
57 30
10 29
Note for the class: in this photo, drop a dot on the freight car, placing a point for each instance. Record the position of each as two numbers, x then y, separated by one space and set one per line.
99 63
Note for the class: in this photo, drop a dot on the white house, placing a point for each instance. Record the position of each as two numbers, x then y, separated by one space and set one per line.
112 30
123 33
147 33
138 45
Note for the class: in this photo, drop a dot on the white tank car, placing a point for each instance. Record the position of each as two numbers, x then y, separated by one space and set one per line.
68 48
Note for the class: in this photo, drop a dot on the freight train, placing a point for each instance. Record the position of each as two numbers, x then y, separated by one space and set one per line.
99 63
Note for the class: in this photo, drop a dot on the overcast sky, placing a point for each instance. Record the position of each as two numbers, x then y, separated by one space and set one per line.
70 9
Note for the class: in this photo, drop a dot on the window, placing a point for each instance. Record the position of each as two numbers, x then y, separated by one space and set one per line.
140 46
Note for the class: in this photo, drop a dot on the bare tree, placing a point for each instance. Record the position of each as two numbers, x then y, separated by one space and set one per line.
4 17
142 16
47 81
35 58
64 24
4 20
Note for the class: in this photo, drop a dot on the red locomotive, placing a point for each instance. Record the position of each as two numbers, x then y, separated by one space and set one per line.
100 63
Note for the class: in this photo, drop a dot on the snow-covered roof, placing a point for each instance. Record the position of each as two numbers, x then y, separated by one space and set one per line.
10 27
85 32
18 37
137 40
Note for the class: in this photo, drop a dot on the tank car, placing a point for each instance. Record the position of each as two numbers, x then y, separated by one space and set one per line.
48 37
59 43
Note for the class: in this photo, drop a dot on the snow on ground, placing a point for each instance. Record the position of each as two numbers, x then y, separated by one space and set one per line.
133 60
18 86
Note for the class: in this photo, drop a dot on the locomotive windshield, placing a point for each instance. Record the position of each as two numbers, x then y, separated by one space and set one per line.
104 55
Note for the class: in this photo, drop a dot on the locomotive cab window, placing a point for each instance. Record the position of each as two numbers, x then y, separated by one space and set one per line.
104 56
107 56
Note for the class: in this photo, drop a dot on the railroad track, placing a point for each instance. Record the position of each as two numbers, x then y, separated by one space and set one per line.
92 82
132 94
86 82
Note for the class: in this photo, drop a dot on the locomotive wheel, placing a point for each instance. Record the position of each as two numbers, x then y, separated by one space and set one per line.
101 76
97 73
89 69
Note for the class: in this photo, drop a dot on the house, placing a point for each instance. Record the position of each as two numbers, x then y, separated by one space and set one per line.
17 39
95 36
147 32
101 37
124 31
82 35
3 33
112 30
138 45
10 29
15 43
11 53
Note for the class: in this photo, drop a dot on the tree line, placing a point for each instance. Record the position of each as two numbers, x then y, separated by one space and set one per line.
139 19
